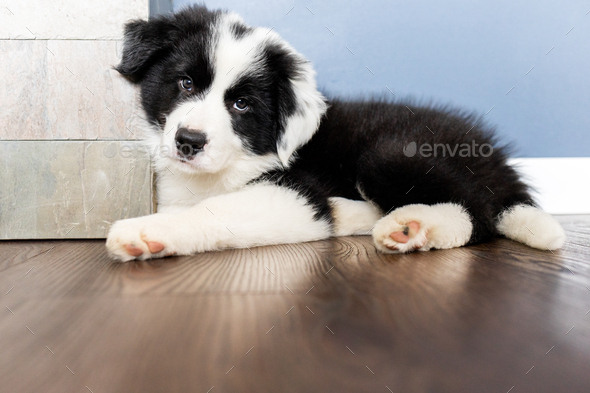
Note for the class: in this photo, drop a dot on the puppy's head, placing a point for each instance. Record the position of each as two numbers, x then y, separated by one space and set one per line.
221 92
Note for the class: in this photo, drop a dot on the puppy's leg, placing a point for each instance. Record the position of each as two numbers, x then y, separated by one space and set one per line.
259 215
422 227
353 217
531 226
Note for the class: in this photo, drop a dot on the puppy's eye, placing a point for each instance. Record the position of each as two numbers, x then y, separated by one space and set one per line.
241 105
186 84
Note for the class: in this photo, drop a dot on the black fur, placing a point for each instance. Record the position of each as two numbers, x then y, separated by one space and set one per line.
308 185
159 52
239 30
359 149
271 97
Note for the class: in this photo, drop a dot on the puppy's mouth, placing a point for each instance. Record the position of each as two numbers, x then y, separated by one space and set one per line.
190 160
187 160
186 152
184 161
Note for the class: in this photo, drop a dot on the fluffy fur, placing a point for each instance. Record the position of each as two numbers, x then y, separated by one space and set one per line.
282 164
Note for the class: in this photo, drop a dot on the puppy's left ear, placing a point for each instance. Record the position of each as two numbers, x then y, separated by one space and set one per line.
144 42
310 106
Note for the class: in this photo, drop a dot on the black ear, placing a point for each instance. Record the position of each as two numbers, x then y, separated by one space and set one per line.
144 42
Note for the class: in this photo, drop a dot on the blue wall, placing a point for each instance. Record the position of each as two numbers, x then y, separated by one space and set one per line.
468 53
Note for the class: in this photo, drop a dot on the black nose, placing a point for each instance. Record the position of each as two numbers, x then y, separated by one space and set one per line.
190 142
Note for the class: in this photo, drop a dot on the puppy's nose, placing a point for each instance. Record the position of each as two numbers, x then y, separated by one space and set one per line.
190 142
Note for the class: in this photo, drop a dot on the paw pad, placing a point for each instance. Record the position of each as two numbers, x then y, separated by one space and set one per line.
391 235
133 251
407 233
155 247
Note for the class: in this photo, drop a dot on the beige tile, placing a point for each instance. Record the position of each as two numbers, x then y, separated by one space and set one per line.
68 19
71 189
65 89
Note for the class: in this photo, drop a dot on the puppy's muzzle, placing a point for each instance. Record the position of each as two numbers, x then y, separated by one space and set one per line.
190 142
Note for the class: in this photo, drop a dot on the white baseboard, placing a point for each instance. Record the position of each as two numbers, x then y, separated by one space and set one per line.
562 184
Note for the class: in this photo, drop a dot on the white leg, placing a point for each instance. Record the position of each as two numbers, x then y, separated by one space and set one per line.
258 215
422 227
353 217
531 226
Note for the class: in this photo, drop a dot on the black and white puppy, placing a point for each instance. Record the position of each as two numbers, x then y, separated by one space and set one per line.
258 156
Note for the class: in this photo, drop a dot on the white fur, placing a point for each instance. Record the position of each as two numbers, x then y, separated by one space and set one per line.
531 226
353 217
303 124
444 225
177 188
258 215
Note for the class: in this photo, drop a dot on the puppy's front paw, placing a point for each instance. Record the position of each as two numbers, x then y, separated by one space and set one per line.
141 238
399 236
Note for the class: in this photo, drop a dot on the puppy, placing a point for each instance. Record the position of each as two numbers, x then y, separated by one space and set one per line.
258 156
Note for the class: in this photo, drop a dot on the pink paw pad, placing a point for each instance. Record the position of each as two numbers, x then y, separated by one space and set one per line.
155 247
409 232
133 251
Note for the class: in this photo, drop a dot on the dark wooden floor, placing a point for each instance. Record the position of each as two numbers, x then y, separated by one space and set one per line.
328 316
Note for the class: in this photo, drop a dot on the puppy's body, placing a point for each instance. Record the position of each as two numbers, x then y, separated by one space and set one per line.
259 157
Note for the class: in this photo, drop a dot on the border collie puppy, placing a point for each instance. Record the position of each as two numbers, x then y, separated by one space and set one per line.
258 156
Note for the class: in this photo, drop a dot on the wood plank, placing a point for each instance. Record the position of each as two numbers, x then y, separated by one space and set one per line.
482 318
16 252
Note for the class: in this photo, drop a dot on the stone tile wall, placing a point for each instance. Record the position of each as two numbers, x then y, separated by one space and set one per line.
71 189
68 19
64 112
60 89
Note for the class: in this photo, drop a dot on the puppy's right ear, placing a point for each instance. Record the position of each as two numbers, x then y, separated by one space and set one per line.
143 43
